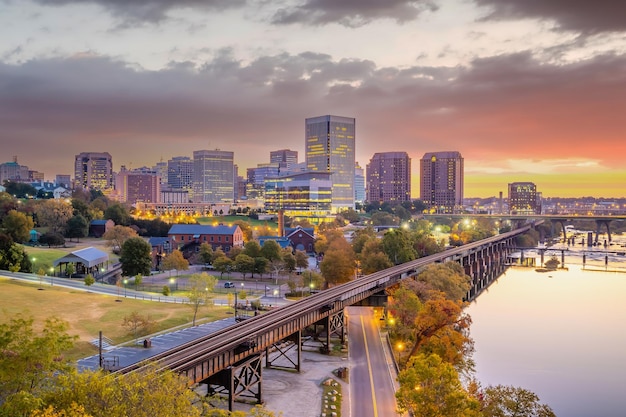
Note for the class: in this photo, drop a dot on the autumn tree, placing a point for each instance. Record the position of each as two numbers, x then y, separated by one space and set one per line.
403 307
54 214
206 253
17 225
448 278
246 229
29 360
373 258
200 288
288 260
338 264
89 280
175 260
136 257
362 236
501 400
137 323
430 387
146 393
117 235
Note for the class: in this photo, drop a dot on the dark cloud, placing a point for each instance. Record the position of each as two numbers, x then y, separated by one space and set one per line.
577 15
352 13
509 106
148 10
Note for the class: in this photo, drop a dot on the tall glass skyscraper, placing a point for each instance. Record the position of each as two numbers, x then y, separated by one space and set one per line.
213 176
330 147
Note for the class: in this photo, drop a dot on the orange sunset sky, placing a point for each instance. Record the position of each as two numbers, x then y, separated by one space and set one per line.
526 90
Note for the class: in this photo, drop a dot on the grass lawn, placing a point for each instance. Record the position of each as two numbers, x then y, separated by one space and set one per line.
230 219
88 313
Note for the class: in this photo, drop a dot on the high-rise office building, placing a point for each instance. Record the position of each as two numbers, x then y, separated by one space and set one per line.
441 181
359 184
301 196
161 170
94 170
330 147
389 177
285 158
214 176
180 173
524 198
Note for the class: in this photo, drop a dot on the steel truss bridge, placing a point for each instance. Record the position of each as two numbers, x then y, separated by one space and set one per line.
230 361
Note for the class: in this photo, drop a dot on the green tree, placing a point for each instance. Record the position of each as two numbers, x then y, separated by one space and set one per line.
13 257
223 264
136 257
138 280
17 225
30 360
288 260
398 246
501 400
52 239
244 264
200 288
360 237
430 387
261 266
89 280
252 249
271 250
302 259
70 269
20 189
77 227
118 213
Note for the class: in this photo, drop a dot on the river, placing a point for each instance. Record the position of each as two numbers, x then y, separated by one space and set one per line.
560 334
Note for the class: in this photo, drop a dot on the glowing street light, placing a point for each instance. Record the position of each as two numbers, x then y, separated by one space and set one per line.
125 282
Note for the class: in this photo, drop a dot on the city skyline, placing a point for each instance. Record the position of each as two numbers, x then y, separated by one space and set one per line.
525 91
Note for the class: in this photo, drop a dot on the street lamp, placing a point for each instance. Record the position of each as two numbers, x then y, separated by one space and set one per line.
266 288
51 276
125 282
172 281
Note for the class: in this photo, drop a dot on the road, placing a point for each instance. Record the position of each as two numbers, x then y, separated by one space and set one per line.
372 391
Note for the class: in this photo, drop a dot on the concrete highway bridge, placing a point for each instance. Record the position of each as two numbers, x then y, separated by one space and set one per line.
230 361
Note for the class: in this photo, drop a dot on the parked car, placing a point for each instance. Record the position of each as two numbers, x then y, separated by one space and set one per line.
229 285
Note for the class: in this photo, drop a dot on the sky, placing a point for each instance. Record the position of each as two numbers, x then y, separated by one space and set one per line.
525 90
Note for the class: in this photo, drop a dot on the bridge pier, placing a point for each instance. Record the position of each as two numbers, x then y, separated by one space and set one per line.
238 381
599 224
292 341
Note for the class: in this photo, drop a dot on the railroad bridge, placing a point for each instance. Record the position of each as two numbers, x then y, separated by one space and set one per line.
230 361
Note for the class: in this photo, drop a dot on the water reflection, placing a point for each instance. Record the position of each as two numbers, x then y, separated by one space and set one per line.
559 334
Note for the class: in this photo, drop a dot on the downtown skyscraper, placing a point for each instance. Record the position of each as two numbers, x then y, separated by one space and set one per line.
94 171
330 147
213 176
441 181
389 177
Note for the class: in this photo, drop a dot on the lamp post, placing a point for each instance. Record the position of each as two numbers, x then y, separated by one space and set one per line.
125 282
266 288
51 276
172 281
